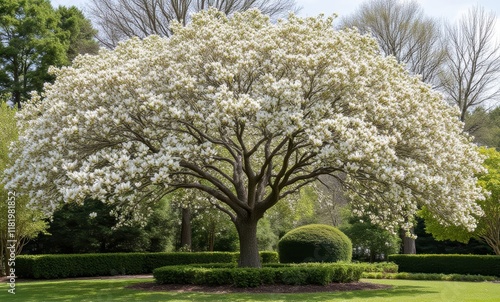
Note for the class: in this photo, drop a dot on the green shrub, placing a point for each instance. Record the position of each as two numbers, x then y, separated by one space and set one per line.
246 277
110 264
269 257
385 267
302 274
487 265
314 243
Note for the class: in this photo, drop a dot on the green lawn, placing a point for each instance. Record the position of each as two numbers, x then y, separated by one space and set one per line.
113 290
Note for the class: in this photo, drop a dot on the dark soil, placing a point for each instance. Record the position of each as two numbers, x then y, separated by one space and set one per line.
277 288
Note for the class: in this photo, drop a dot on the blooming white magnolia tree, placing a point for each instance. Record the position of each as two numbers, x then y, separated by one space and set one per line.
248 112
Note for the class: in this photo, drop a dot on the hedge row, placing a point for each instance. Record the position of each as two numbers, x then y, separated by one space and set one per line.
321 274
110 264
486 265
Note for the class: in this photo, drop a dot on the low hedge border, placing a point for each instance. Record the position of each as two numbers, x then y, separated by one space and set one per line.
320 274
110 264
433 277
486 265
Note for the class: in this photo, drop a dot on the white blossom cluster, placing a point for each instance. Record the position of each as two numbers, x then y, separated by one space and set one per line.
129 125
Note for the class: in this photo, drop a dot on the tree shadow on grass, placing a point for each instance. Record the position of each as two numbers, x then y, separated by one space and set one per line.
397 293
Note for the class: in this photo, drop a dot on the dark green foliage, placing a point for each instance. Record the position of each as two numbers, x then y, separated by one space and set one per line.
109 264
34 37
487 265
269 257
370 242
314 243
73 230
314 273
77 31
245 277
427 244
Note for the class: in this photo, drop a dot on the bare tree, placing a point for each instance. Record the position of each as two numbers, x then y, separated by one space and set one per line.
117 20
470 78
331 198
403 31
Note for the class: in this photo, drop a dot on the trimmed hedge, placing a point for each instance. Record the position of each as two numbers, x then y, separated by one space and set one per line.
314 243
317 273
110 264
486 265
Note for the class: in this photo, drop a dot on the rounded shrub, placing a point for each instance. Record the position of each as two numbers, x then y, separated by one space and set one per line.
314 243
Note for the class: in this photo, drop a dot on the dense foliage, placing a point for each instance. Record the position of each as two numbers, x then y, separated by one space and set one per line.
247 111
34 37
318 274
314 243
89 228
370 242
109 264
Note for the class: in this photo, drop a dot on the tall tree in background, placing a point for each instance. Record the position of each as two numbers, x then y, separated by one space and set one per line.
34 37
472 68
117 20
30 44
78 32
403 31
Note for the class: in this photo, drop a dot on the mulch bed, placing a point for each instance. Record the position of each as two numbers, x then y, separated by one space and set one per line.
277 288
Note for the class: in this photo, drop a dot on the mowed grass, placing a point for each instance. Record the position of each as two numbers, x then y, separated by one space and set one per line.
114 290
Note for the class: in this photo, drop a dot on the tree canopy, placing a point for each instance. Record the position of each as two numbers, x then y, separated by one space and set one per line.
249 112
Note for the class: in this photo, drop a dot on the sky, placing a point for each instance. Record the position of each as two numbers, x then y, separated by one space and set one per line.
447 9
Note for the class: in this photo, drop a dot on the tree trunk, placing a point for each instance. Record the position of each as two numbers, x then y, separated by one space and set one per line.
211 237
408 243
186 229
249 251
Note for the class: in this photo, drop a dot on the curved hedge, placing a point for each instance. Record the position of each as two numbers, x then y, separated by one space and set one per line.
486 265
314 243
314 273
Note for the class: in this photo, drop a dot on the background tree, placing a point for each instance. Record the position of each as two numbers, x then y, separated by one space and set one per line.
78 32
89 228
34 37
470 76
484 126
248 112
29 222
370 242
331 200
30 44
118 20
403 31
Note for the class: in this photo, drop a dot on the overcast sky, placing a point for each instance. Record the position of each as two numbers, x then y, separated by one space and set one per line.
449 10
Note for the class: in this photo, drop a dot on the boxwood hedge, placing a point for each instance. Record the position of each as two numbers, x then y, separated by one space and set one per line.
109 264
314 243
316 273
